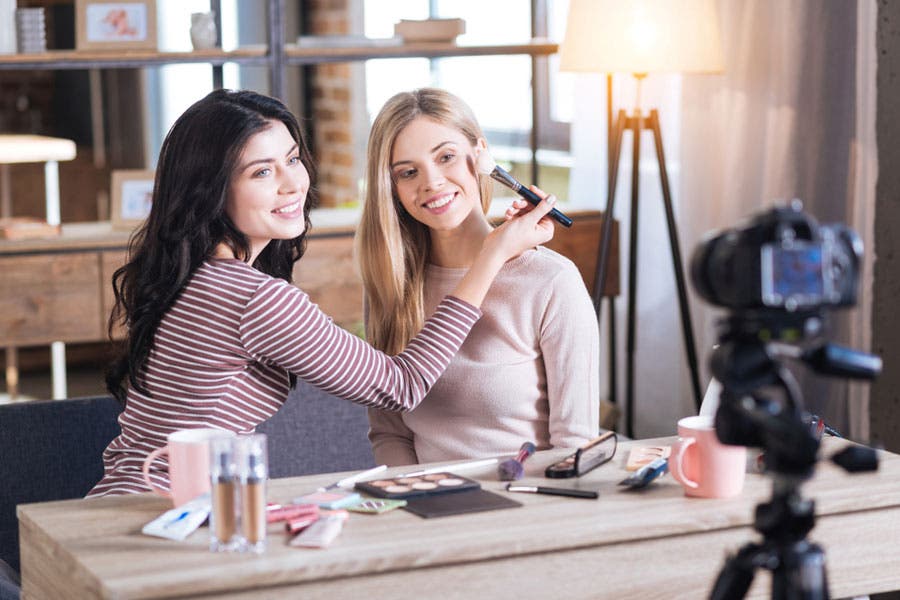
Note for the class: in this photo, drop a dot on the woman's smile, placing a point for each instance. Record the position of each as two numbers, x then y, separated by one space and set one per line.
440 204
290 210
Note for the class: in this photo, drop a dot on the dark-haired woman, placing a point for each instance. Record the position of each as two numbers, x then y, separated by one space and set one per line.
214 327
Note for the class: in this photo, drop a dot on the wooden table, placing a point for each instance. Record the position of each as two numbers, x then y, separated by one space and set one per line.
655 544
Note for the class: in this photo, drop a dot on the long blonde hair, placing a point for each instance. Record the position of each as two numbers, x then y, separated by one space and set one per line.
392 248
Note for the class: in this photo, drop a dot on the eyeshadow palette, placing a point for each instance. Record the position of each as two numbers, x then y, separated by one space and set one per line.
430 484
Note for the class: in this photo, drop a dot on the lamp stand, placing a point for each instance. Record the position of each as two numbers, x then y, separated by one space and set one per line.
636 124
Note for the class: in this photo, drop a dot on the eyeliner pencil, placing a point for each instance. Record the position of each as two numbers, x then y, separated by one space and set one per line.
554 491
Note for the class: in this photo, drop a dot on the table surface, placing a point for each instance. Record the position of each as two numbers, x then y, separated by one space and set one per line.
651 544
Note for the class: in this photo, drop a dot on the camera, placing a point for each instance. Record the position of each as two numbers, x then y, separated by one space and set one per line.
780 260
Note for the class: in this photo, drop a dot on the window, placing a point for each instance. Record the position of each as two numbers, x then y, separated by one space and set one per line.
504 104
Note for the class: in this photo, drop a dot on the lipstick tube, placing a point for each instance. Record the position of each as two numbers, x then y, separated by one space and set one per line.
291 511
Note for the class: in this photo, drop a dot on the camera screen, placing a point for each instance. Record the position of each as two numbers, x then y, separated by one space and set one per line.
792 275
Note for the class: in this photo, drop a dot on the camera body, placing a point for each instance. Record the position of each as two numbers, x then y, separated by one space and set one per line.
780 260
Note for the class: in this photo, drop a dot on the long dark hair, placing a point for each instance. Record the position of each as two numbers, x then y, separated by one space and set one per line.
187 220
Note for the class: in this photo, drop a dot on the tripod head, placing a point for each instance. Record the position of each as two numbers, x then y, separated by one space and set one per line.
761 403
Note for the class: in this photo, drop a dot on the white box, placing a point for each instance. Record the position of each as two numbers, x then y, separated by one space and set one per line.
430 30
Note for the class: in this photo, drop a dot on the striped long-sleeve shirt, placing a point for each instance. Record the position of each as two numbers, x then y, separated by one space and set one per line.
222 354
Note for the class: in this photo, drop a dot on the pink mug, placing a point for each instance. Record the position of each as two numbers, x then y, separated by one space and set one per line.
188 451
704 466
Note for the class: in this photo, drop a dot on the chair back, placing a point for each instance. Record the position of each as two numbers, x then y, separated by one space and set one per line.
50 450
315 432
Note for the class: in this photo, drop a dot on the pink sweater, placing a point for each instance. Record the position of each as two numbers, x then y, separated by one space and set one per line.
222 354
529 370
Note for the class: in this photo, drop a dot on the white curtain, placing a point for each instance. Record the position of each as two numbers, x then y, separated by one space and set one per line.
792 117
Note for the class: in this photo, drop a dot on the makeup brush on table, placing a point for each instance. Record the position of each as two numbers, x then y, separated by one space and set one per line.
487 166
512 468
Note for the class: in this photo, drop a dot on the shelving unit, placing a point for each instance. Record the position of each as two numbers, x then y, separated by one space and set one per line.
92 59
79 263
277 55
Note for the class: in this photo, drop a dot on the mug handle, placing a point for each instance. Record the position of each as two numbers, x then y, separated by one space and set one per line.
146 471
676 462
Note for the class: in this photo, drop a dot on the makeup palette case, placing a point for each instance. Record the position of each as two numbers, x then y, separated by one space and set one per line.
403 487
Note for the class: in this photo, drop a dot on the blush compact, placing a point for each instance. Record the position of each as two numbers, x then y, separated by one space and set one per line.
405 486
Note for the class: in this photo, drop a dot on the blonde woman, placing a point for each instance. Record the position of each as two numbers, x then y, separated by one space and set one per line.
529 369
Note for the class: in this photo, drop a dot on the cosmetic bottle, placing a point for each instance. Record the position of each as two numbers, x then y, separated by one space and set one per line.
223 518
253 470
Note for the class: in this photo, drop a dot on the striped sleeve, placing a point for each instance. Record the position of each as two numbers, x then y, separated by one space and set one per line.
283 326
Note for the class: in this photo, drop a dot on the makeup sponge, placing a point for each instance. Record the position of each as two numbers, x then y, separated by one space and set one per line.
512 468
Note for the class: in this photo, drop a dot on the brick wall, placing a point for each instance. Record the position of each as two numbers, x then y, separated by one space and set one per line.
335 88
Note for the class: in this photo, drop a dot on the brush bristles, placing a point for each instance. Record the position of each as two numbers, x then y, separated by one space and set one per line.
510 470
485 163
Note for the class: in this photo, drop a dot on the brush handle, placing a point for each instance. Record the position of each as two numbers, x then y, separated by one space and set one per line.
509 181
556 215
538 489
525 451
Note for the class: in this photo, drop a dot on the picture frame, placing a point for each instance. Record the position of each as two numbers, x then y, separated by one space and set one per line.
131 192
115 24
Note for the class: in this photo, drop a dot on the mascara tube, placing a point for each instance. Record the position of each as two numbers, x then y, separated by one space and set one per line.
253 471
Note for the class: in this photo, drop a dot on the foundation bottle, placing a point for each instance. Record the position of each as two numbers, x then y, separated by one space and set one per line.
253 470
223 517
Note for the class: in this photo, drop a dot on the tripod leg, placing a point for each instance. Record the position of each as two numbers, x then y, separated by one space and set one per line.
636 123
602 265
801 573
686 326
613 391
736 576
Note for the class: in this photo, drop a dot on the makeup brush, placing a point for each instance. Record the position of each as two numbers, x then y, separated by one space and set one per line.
487 166
512 468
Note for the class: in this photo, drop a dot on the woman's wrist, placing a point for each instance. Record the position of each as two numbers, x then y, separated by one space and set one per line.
474 285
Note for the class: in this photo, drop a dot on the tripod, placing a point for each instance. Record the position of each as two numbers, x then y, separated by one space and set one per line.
797 566
636 124
745 364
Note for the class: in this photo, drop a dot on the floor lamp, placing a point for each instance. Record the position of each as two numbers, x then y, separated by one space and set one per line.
641 37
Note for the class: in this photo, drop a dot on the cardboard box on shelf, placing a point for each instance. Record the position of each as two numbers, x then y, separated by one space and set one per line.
26 228
430 30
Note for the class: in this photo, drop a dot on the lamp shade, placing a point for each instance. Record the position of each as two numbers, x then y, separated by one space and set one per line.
642 36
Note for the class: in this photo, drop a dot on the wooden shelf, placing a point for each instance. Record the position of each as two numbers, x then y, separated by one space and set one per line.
92 59
297 55
75 237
